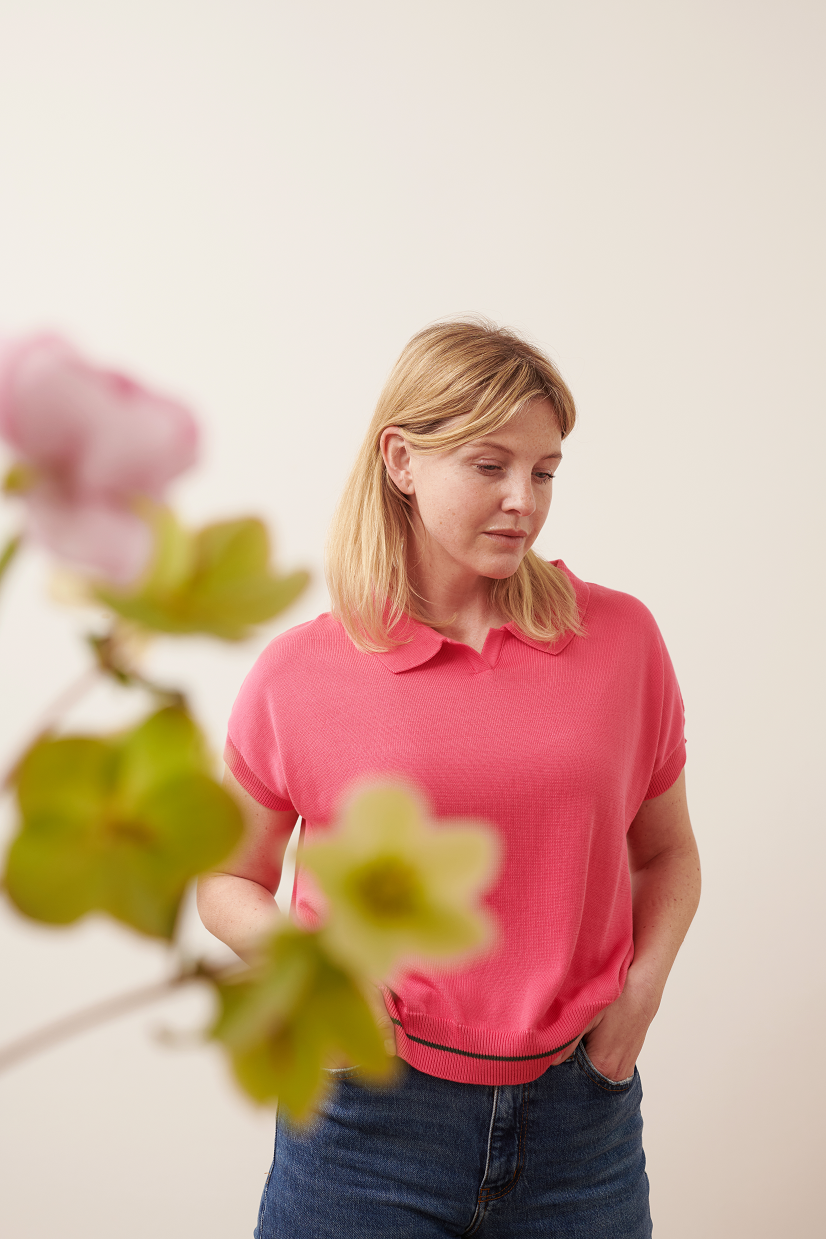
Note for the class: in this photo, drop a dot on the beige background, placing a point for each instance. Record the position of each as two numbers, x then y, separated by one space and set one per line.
256 204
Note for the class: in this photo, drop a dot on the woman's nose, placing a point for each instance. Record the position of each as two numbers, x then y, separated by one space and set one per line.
520 496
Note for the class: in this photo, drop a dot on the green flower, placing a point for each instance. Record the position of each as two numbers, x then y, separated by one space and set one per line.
281 1019
216 580
118 824
399 887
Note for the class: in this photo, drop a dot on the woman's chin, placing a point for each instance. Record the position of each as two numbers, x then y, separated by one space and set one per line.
500 572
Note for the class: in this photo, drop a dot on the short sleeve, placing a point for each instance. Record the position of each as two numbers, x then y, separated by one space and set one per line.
670 746
252 750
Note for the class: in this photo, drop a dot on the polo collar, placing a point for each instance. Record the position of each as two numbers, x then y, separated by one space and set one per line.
420 643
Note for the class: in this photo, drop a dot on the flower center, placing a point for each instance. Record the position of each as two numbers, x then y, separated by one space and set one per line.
388 887
125 831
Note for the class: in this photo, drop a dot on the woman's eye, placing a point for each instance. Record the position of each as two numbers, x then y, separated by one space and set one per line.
490 470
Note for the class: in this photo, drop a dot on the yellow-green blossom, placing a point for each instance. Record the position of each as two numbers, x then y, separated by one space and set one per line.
400 888
282 1018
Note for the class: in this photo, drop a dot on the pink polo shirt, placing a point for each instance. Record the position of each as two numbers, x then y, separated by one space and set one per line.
556 747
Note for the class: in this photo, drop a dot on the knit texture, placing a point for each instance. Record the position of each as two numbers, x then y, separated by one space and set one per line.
556 747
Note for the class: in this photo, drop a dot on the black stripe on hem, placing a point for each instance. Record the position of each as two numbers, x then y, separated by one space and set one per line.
498 1058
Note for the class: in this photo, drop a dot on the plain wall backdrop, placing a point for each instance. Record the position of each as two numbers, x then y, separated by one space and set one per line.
254 205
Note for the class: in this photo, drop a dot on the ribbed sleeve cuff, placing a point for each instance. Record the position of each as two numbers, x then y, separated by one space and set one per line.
667 773
250 782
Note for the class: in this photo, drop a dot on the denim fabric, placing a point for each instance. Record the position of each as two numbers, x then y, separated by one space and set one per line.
560 1157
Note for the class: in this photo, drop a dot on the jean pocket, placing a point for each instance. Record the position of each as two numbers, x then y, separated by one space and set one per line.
341 1073
587 1068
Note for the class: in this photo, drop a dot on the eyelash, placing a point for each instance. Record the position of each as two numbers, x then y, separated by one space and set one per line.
542 478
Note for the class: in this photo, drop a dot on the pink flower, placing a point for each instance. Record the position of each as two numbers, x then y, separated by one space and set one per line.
91 442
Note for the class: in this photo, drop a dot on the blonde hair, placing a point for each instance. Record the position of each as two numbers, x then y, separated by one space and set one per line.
467 366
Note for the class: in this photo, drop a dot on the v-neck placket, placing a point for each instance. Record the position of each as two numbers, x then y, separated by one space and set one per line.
487 658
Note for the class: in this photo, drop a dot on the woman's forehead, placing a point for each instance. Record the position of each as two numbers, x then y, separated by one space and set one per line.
534 410
535 423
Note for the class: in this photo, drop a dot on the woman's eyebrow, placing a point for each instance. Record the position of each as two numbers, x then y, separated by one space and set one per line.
501 447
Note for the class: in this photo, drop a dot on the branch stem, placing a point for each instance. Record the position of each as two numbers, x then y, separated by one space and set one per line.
99 1013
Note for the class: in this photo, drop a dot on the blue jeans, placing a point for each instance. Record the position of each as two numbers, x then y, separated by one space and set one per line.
561 1156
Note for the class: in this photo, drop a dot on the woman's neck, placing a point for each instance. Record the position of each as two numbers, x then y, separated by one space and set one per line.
462 611
471 631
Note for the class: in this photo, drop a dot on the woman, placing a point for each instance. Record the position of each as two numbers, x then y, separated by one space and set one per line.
507 690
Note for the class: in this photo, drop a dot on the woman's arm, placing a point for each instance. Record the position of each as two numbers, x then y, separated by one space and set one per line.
665 884
237 903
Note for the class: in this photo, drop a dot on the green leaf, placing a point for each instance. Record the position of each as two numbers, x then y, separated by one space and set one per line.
231 550
287 1067
48 873
264 998
339 1005
118 824
174 558
280 1021
195 823
165 746
68 776
136 888
216 581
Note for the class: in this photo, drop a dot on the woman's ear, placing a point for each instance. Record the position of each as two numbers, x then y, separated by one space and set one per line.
396 456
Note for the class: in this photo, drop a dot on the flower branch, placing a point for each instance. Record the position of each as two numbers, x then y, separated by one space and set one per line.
104 1012
121 823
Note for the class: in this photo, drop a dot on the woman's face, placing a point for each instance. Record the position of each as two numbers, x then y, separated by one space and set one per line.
479 507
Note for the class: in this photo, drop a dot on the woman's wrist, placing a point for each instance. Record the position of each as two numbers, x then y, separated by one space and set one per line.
645 988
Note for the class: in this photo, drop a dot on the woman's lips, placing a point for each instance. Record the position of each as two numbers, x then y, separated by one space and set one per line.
506 537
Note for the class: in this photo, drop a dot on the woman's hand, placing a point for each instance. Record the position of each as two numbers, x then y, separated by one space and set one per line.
614 1039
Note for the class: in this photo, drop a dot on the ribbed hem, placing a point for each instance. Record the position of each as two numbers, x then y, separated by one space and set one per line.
250 782
668 773
481 1056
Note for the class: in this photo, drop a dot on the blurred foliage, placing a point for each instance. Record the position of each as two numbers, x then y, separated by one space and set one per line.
281 1020
118 824
215 580
121 823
